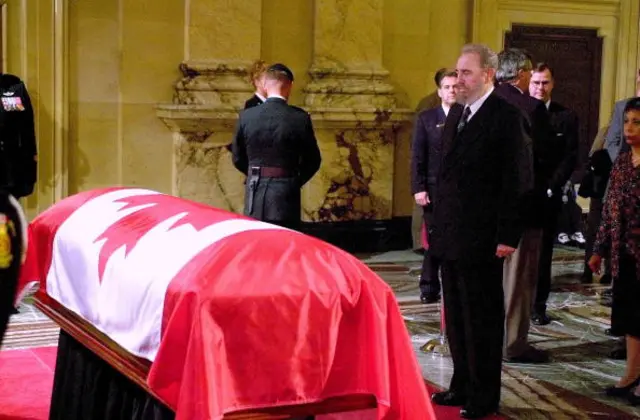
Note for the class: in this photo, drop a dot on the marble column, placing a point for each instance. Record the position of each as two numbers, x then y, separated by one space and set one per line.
222 39
355 115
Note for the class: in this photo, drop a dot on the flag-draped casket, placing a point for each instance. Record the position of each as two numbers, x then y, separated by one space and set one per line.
232 313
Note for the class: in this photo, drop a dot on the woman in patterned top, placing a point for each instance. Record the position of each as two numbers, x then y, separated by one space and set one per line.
619 237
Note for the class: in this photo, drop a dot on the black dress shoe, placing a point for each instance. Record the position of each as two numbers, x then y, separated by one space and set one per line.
540 319
477 412
531 355
622 391
634 399
448 398
429 297
618 354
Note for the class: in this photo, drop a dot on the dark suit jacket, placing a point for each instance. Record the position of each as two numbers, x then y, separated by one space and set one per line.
253 101
565 144
426 150
485 171
276 134
538 128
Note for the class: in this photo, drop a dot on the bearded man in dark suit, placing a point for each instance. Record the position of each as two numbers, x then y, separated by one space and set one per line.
486 168
425 163
521 268
275 146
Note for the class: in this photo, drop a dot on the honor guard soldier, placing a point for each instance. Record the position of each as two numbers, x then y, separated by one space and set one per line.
275 146
18 156
13 241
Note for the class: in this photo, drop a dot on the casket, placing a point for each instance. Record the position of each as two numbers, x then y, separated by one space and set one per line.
171 308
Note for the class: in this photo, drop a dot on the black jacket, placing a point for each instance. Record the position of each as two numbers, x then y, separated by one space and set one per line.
538 128
276 134
18 155
426 151
253 101
484 173
565 144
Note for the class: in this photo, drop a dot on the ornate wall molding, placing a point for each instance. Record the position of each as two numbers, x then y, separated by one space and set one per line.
615 20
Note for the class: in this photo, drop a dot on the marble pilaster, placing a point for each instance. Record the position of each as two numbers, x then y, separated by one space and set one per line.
223 39
355 115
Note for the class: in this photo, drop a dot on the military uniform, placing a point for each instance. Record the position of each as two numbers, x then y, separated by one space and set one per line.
275 146
18 155
12 243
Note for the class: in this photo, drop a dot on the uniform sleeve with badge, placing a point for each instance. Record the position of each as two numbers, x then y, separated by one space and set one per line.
18 153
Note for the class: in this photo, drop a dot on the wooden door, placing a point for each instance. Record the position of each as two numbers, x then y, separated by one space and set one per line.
575 55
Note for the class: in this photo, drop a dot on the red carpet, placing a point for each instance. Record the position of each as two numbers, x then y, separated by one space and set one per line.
26 378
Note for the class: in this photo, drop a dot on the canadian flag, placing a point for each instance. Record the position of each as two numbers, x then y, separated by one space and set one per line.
234 313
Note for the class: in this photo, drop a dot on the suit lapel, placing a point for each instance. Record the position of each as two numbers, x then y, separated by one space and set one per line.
440 116
450 126
457 145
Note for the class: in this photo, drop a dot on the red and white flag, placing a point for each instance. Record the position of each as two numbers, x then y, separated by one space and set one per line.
234 313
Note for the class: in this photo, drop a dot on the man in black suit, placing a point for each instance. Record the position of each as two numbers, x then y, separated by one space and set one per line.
486 168
521 269
275 146
564 146
425 163
13 239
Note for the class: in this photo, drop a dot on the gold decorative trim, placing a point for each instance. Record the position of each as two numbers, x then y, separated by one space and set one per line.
596 7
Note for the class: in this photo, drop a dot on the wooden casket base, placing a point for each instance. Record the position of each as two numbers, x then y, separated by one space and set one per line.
95 378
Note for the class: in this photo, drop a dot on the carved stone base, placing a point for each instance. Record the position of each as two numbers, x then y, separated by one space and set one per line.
355 181
356 139
204 172
214 83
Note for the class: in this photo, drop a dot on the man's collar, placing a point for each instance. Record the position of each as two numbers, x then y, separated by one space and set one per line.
277 97
445 108
547 103
478 103
262 98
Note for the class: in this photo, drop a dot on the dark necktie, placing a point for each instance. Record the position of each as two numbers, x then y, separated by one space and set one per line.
465 118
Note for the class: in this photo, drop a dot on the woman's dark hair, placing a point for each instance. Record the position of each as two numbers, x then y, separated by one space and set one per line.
632 105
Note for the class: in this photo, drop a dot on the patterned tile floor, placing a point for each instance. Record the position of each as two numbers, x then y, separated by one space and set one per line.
570 387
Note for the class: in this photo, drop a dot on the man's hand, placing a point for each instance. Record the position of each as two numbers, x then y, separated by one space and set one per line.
504 251
422 198
595 263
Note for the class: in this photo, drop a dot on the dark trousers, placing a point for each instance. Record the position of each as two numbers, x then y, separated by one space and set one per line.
430 276
474 316
273 200
9 275
543 287
570 218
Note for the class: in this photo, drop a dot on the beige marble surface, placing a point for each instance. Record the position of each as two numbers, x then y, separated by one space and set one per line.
223 29
204 173
350 99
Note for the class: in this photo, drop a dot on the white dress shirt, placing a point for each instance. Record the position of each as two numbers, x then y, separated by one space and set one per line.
474 107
